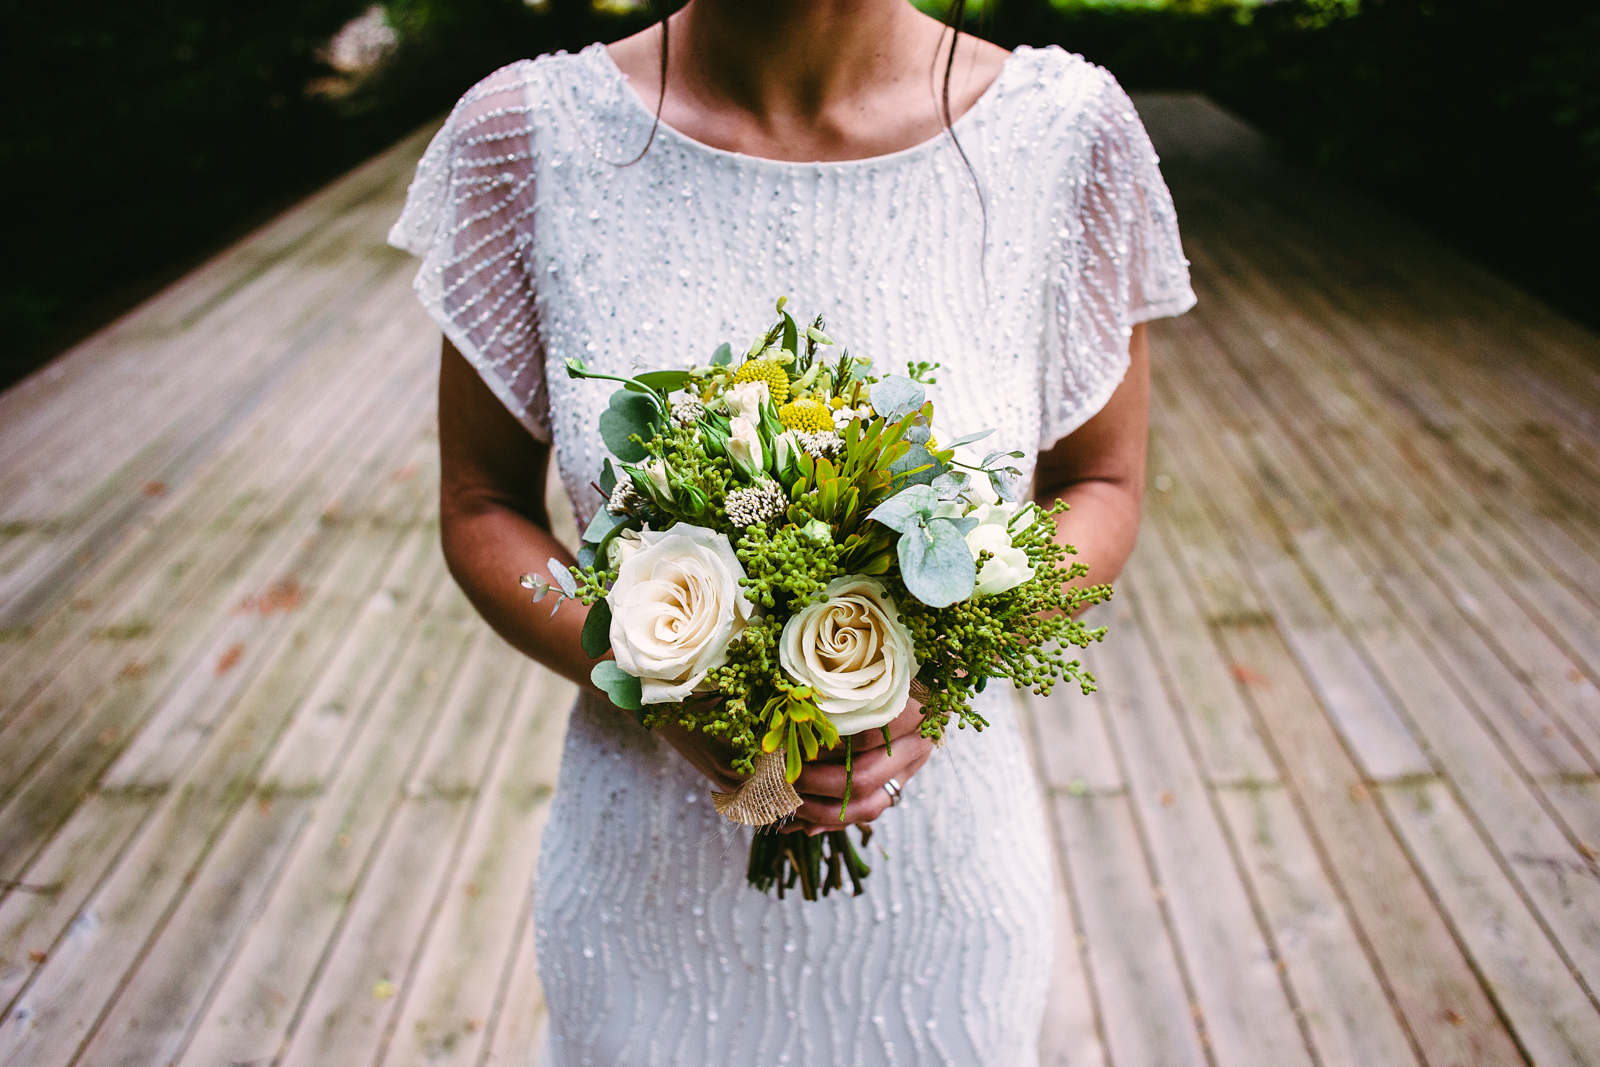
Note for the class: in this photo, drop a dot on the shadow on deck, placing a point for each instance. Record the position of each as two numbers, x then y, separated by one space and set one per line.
270 793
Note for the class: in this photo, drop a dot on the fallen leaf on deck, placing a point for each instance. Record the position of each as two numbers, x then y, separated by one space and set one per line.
229 659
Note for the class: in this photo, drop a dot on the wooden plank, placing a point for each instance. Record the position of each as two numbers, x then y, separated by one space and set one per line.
350 1013
1148 1014
1504 802
1556 696
1247 1013
1068 732
1072 1025
519 1022
1559 609
454 985
1554 1018
1227 742
193 659
65 1000
1339 995
87 504
1366 717
369 324
188 554
162 998
261 997
94 369
1419 958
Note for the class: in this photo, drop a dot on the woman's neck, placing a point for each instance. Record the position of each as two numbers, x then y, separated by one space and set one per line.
806 79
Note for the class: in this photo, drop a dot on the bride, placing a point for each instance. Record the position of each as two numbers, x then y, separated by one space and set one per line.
937 199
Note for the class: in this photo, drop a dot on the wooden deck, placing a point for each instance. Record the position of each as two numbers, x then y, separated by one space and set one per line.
270 793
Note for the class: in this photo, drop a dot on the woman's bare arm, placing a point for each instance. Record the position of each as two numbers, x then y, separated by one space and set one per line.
493 522
1099 471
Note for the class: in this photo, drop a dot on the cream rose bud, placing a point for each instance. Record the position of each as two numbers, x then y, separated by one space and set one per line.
784 445
746 398
656 471
1008 569
854 653
675 605
622 548
744 442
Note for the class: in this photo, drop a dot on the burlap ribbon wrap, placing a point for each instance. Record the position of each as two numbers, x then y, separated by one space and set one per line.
764 798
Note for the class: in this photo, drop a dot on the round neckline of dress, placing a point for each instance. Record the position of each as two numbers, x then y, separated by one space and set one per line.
636 106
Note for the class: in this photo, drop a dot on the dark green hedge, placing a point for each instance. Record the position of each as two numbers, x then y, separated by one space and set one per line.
137 136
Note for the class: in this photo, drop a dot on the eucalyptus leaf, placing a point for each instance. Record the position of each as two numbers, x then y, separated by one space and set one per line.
896 396
723 356
919 434
629 413
587 554
936 564
596 636
992 456
563 576
602 523
608 477
964 524
1002 487
971 437
951 484
623 688
906 509
917 457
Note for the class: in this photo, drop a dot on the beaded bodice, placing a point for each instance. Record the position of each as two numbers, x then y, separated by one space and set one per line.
539 244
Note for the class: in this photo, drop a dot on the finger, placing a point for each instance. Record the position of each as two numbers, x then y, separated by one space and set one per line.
821 814
905 724
870 771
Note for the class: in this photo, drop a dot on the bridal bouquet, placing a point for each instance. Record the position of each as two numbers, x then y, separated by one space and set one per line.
788 551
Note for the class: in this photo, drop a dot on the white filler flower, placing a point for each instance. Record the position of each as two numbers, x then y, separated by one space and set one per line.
1009 568
854 653
675 606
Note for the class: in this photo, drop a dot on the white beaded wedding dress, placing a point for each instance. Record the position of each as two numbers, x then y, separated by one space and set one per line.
539 244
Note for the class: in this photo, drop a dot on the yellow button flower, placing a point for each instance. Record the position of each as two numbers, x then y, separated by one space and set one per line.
806 415
769 371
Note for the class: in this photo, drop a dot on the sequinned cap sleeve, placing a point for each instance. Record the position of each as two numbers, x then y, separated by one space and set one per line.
1121 263
470 215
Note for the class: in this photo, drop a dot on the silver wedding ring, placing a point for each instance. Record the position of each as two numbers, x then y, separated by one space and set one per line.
892 787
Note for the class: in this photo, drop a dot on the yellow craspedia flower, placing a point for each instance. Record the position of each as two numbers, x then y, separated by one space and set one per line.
806 415
769 371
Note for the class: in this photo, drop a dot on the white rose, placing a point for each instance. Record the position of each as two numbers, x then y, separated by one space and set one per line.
854 653
746 398
744 441
675 606
1009 568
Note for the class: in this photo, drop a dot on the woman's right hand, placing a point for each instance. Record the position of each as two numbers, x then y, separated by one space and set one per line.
708 755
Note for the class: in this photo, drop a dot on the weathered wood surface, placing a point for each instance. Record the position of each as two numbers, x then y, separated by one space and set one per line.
270 793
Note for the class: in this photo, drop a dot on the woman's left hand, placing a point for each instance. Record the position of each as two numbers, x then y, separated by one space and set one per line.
821 782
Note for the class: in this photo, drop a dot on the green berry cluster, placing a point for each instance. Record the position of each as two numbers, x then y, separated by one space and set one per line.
790 568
